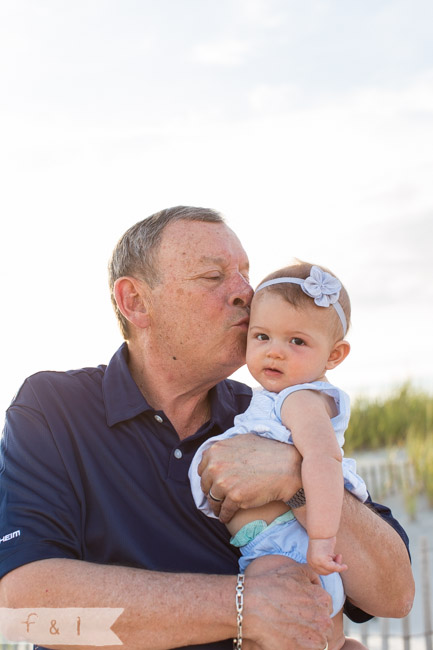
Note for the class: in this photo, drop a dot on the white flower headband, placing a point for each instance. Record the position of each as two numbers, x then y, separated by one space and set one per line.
323 287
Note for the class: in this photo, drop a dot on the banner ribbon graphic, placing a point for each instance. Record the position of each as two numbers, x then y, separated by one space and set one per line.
60 625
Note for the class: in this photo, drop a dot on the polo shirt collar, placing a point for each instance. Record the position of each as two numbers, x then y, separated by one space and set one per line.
122 398
224 405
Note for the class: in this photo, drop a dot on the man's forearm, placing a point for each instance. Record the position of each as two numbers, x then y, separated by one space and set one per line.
168 610
161 610
379 577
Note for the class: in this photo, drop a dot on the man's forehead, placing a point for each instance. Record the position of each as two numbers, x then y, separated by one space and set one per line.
199 241
185 228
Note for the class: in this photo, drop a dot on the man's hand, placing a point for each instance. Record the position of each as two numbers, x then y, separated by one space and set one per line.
249 471
284 606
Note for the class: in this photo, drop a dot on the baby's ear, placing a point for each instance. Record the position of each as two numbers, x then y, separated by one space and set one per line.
338 353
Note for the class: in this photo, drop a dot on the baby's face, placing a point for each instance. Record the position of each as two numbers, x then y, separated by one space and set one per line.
287 345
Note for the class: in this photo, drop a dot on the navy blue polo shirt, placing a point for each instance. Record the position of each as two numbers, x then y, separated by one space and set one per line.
90 471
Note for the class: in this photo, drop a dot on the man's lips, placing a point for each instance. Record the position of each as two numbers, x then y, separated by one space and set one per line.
243 322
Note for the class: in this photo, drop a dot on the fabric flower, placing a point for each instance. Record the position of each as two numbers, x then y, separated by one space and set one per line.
322 286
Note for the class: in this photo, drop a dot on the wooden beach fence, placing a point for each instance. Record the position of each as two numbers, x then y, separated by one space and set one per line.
384 639
388 477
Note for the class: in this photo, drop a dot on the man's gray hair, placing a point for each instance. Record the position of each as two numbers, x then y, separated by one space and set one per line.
136 251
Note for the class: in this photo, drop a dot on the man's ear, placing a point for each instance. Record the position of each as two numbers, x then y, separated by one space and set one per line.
130 297
338 353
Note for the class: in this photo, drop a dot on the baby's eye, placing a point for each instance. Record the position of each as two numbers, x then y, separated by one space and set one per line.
262 337
297 341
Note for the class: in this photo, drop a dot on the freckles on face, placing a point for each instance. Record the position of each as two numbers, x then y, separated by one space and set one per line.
196 310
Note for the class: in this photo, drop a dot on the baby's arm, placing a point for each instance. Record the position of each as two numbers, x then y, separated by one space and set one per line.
308 416
322 558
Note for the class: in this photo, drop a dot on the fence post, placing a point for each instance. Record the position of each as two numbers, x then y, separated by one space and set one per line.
405 624
375 487
425 577
385 633
364 633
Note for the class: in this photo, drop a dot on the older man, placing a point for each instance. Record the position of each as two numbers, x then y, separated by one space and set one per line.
95 465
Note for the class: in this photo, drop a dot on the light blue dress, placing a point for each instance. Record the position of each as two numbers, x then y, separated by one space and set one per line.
285 536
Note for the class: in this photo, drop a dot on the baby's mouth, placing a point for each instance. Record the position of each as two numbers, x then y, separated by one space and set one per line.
273 371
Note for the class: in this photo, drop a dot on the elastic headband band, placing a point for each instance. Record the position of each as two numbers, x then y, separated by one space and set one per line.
323 287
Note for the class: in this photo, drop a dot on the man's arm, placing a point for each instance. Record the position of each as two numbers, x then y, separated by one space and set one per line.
42 566
164 610
250 471
372 550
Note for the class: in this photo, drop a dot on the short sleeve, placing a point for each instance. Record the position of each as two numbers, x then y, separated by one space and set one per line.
288 391
39 510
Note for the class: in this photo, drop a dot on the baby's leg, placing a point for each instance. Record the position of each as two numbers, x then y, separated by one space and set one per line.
339 641
266 562
250 645
353 644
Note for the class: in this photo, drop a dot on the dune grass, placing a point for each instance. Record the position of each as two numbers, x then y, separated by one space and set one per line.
389 421
402 419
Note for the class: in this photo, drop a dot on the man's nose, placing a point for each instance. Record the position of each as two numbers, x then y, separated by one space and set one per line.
242 292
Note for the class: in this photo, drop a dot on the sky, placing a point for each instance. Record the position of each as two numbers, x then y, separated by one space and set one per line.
308 124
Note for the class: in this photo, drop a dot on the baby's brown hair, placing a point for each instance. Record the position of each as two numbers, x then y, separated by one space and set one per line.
294 294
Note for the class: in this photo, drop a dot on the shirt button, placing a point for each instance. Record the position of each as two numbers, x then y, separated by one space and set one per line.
178 454
158 418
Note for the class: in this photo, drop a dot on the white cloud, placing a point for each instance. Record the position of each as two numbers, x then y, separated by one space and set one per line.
225 52
276 98
417 96
119 128
265 13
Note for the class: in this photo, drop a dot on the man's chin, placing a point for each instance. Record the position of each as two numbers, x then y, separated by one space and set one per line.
233 357
235 362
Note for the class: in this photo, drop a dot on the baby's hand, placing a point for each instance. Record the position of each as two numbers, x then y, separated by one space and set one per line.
321 556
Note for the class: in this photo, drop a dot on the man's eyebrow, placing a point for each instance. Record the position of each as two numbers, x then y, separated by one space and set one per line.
220 261
206 259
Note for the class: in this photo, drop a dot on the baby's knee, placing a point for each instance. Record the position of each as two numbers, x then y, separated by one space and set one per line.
353 644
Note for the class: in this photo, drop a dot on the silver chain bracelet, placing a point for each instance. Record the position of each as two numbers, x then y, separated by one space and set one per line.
237 643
